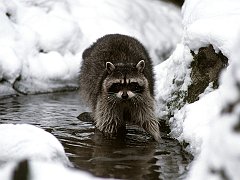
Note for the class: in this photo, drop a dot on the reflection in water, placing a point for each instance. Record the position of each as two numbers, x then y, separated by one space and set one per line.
133 156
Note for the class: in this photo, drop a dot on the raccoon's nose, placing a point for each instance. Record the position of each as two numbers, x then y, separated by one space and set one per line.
124 95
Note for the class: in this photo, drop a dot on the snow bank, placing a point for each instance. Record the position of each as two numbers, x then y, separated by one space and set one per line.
42 41
40 50
45 154
155 23
172 75
211 124
24 141
45 171
220 147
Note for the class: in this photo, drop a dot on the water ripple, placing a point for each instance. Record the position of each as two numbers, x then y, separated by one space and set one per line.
135 156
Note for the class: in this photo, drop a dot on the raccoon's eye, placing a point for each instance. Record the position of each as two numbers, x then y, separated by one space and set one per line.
135 87
115 88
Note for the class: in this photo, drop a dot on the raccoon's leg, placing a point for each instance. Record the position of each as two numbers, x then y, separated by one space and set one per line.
151 125
145 117
107 118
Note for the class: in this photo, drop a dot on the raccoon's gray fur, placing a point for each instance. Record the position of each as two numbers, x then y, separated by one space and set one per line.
116 79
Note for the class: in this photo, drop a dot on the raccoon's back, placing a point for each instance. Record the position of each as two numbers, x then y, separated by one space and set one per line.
91 77
114 48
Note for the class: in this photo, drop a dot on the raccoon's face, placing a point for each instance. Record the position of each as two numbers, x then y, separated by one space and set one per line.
125 88
124 83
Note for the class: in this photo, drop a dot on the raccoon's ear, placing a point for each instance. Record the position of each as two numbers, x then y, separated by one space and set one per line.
140 65
109 67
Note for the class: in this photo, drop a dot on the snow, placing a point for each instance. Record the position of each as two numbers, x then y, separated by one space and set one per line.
211 124
195 120
24 141
43 171
45 154
221 146
42 41
41 47
213 22
175 69
136 18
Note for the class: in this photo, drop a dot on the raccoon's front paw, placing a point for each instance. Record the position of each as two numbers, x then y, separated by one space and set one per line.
157 136
152 127
86 117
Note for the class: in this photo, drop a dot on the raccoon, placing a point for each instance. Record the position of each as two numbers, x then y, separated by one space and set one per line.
116 79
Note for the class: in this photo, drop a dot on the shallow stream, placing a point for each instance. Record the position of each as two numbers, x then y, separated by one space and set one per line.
134 156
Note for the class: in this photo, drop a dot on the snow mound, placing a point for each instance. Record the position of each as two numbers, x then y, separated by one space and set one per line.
24 141
44 171
171 75
28 149
210 125
220 147
155 23
42 41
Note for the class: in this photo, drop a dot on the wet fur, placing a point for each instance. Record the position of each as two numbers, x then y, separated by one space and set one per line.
111 114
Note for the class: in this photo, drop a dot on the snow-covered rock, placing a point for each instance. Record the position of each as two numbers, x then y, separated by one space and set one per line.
43 171
24 141
42 41
219 128
29 151
211 124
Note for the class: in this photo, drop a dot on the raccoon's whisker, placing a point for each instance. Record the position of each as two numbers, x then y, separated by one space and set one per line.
111 98
113 104
111 93
111 128
137 98
138 92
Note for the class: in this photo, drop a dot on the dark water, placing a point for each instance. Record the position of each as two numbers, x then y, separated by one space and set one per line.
134 156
